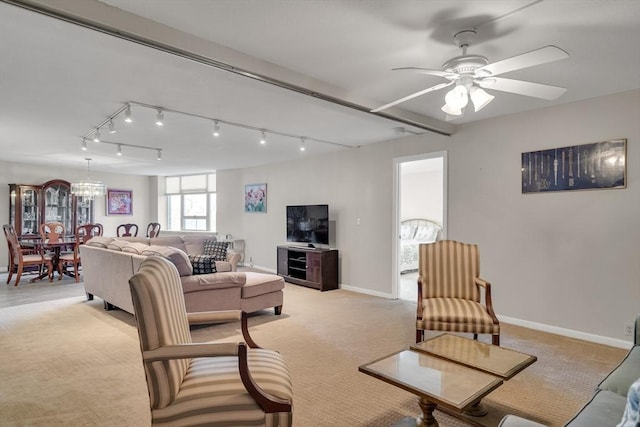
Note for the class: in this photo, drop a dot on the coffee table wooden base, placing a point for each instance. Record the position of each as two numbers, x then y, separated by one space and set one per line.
427 419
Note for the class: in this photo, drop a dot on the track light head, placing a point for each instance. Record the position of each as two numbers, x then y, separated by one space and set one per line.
159 154
216 128
302 144
263 138
84 144
112 129
160 118
119 153
96 135
127 114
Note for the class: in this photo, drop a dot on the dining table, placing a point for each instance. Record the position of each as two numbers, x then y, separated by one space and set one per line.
55 246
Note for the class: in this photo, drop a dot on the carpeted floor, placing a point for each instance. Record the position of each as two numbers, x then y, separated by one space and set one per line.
68 362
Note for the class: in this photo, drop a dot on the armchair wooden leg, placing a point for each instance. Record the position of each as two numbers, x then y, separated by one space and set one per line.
495 340
10 274
419 335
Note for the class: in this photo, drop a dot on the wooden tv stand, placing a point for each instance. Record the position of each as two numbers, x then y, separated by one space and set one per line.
312 267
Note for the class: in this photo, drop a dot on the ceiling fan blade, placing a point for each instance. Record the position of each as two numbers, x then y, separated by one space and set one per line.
439 73
413 95
521 87
535 57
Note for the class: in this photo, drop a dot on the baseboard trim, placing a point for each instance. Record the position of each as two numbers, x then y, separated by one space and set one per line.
598 339
365 291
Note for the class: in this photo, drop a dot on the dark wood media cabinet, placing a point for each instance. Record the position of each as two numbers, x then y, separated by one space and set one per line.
311 267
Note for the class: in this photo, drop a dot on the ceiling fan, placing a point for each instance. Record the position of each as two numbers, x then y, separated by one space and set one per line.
471 74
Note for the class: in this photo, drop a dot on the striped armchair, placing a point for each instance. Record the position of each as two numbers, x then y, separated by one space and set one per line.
209 383
449 291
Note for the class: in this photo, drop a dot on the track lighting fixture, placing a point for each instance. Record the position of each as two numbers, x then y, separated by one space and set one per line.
125 109
160 118
127 114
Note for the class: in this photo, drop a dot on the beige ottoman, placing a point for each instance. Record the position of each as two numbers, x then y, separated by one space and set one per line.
262 290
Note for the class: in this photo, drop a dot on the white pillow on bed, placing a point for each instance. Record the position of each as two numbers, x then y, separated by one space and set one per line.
426 233
407 232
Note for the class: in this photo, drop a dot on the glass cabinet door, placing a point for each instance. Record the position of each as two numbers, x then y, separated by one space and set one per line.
84 211
58 204
30 214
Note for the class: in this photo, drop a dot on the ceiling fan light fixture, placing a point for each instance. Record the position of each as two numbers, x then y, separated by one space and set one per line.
480 98
457 98
451 110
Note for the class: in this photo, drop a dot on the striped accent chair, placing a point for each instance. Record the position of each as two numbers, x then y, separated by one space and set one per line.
213 384
449 291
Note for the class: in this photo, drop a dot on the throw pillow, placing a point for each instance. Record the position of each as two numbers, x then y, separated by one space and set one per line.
217 249
203 264
178 257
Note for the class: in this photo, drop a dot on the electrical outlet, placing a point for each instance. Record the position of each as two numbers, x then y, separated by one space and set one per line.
628 329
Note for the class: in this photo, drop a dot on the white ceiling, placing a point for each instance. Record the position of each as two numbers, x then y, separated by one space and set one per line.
58 81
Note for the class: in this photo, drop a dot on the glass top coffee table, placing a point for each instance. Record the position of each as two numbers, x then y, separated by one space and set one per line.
449 372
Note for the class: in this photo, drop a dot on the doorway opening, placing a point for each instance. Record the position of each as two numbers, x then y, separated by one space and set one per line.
420 214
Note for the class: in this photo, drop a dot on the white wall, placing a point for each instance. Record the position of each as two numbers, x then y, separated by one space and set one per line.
23 173
569 260
421 196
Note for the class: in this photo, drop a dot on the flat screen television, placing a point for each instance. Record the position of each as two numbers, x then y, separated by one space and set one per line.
308 224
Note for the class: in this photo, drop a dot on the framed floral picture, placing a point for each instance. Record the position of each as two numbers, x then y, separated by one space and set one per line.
255 198
119 202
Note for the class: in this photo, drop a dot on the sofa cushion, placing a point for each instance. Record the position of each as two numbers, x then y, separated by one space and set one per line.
217 249
260 284
203 264
117 245
604 409
178 257
201 282
135 239
621 378
223 266
99 241
195 243
134 247
173 241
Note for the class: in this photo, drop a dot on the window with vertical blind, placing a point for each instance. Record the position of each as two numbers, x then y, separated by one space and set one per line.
191 202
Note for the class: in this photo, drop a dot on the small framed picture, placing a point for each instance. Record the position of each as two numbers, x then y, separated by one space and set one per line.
255 198
119 202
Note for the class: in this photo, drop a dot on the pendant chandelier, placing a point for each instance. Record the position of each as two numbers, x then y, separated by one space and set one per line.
88 189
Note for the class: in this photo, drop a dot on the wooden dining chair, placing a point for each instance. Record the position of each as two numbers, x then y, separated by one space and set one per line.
127 230
52 230
19 259
153 229
83 234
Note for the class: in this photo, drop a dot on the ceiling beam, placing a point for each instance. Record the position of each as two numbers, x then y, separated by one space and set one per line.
118 23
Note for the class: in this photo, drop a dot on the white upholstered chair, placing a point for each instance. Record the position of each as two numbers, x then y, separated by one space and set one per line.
449 291
234 384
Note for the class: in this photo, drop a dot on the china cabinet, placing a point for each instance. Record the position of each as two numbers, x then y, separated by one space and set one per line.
32 205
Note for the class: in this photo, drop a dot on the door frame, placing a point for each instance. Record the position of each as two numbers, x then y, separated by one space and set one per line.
395 217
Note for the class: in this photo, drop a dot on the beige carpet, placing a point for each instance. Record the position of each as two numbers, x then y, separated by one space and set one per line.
68 362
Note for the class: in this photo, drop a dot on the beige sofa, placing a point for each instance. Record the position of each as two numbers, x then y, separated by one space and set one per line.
108 263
